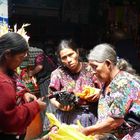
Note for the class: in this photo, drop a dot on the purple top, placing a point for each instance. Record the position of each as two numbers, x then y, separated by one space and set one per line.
62 79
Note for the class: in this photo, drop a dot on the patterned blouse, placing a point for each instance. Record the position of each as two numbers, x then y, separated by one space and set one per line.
121 99
48 66
62 79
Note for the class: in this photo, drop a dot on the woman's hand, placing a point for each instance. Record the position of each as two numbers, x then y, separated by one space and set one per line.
60 106
105 126
53 130
42 104
66 108
85 131
28 97
93 97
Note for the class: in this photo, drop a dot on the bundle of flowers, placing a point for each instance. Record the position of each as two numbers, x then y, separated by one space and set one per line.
5 29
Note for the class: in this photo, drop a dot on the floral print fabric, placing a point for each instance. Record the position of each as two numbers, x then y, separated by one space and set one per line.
62 79
121 99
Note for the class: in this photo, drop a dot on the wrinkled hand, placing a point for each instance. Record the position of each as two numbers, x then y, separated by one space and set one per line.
93 97
28 97
83 130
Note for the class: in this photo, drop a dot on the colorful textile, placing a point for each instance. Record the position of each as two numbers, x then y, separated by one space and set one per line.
121 100
26 81
62 79
20 89
48 66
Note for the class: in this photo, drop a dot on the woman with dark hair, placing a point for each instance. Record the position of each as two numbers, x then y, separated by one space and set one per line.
71 76
119 105
14 117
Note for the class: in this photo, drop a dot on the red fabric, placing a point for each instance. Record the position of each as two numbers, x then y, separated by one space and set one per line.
14 118
39 59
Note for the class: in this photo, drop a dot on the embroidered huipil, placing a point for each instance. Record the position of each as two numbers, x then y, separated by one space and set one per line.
62 79
121 99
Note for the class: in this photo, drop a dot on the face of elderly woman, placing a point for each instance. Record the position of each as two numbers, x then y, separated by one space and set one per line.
102 70
69 58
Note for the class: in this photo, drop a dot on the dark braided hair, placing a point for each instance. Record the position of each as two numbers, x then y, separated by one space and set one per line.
70 44
14 43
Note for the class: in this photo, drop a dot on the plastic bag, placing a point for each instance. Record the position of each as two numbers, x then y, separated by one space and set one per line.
65 132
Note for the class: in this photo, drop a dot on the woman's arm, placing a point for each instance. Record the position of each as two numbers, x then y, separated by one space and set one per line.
60 106
15 118
36 70
103 127
55 103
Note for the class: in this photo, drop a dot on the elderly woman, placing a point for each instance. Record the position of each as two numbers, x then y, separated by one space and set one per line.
119 103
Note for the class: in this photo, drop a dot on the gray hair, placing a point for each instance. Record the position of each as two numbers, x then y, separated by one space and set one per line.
102 52
122 64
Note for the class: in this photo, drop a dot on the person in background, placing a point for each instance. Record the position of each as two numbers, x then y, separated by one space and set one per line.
71 76
44 65
22 91
14 117
119 105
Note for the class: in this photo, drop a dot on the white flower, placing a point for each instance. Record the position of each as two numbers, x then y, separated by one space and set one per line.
5 29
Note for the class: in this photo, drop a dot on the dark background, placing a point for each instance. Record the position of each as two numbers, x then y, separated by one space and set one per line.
88 22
